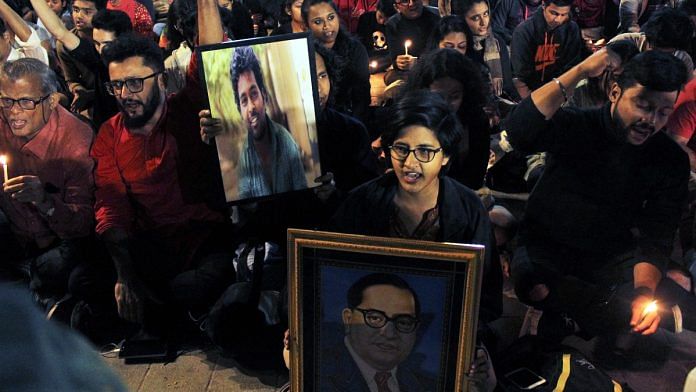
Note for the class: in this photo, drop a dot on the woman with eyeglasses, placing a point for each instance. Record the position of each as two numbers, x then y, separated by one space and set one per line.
353 92
416 200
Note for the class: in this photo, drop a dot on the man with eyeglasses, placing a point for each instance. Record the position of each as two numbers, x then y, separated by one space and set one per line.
381 323
152 176
413 23
47 194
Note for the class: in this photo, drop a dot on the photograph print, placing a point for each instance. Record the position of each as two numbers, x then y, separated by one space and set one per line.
263 92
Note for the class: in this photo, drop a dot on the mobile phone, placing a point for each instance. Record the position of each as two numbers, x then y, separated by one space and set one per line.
524 378
145 351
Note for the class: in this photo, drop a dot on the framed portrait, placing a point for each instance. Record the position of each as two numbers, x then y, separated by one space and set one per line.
263 91
375 312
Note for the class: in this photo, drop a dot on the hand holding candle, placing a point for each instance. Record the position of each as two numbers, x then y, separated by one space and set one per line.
407 44
650 308
645 315
3 161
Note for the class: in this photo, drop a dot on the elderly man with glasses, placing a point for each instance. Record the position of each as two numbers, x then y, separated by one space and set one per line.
47 194
169 248
381 322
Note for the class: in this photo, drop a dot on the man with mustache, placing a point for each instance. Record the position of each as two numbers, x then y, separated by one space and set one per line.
169 248
270 161
600 222
381 323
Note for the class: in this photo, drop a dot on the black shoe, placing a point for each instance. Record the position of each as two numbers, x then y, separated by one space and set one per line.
555 326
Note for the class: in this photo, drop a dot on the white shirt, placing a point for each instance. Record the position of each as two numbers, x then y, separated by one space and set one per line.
30 48
368 372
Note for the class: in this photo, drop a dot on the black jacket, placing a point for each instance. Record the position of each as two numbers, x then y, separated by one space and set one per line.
538 56
463 219
354 87
596 187
399 29
507 15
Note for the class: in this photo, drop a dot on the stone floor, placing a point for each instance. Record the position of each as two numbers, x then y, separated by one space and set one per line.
196 370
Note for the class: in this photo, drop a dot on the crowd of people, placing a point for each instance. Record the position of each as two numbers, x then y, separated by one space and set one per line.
112 211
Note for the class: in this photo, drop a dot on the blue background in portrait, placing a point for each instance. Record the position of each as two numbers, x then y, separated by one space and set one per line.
431 290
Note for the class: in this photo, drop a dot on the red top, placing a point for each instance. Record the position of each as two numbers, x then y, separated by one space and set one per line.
138 14
137 178
59 156
682 122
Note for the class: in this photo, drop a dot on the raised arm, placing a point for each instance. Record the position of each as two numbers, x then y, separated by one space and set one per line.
15 22
209 23
55 25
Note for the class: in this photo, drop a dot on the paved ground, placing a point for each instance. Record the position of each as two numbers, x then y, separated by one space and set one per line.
197 370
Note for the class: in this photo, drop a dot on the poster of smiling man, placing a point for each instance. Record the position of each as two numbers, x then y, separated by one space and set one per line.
263 92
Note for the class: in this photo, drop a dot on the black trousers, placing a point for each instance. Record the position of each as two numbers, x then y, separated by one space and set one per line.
597 293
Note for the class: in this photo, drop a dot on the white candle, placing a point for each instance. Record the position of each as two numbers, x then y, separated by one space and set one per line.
407 44
3 161
652 307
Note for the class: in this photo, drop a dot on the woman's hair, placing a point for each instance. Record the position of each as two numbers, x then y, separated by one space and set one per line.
427 109
461 7
443 63
449 24
306 4
335 67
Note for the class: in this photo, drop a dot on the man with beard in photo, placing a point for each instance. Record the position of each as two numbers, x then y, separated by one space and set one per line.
270 161
599 225
170 251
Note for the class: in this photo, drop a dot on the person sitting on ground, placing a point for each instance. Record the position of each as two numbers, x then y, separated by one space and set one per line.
80 78
487 48
594 92
600 223
412 24
19 40
451 32
544 46
668 30
290 18
47 197
167 245
372 30
106 26
321 17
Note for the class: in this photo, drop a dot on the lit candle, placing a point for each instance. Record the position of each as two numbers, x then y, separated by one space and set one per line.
652 307
373 64
407 44
3 161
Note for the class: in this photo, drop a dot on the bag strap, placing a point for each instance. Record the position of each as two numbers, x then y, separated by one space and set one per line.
243 273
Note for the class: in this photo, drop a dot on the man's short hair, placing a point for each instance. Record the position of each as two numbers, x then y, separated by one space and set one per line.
386 7
558 3
669 28
355 293
129 45
655 70
244 59
427 109
30 67
98 4
114 21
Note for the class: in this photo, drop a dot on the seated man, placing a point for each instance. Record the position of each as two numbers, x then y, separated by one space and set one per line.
544 46
47 192
382 310
413 23
600 223
166 246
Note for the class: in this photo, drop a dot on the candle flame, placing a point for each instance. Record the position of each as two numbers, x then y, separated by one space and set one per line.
407 43
3 160
652 307
373 64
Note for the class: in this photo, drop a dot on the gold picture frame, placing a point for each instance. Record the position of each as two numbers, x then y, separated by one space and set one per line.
444 279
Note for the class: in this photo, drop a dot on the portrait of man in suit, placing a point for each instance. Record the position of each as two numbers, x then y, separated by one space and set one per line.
380 323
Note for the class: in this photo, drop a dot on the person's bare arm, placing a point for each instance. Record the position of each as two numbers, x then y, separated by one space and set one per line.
209 23
55 25
15 22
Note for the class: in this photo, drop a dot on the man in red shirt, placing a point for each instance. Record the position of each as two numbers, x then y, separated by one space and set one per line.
47 192
166 247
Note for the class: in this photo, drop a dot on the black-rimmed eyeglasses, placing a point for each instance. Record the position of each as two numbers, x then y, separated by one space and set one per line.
24 103
422 154
378 319
134 85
